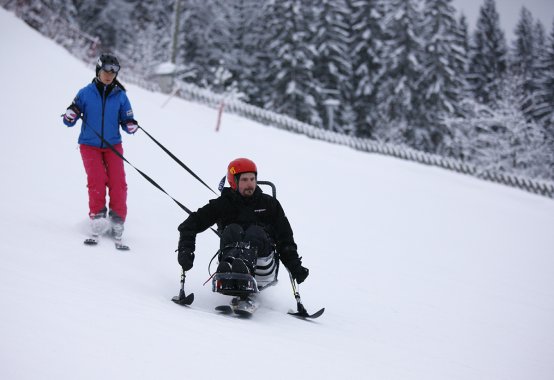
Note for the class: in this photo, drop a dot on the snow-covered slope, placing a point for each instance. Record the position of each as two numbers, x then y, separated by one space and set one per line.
425 274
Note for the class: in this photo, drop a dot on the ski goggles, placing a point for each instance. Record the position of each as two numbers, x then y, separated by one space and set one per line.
110 68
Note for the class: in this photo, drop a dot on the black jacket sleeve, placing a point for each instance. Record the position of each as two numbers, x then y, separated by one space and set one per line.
285 240
197 222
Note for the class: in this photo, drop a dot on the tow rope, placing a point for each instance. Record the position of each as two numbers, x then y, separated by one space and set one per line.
177 160
148 178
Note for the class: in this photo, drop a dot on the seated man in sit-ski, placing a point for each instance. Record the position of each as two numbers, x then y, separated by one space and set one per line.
250 222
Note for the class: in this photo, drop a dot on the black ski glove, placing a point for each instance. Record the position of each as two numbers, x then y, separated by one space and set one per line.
186 258
299 273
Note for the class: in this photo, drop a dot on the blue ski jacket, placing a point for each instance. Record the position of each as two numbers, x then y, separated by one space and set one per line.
103 109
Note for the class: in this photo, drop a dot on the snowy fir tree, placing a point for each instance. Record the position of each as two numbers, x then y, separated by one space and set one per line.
366 55
290 74
442 80
462 56
544 111
488 56
523 141
65 9
149 35
500 138
397 99
103 20
200 49
540 70
44 14
524 62
332 64
540 50
246 58
524 47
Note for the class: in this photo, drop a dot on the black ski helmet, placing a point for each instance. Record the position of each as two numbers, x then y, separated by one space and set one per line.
107 62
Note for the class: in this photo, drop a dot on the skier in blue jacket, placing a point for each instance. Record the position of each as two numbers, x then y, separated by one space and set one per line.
104 108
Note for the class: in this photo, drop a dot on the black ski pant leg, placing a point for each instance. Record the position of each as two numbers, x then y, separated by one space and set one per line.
258 238
255 235
231 234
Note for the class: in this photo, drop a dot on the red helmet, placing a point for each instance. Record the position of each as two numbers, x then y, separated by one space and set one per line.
237 167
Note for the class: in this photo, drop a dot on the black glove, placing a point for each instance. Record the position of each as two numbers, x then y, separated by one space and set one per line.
186 258
299 273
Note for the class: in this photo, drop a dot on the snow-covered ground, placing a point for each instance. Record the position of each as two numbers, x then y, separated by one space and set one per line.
424 273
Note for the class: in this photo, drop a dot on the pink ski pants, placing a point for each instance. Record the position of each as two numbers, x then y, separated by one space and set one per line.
105 169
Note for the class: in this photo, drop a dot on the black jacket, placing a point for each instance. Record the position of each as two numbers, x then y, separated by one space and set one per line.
231 207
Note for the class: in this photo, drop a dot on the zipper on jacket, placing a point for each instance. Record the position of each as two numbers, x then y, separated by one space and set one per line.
103 111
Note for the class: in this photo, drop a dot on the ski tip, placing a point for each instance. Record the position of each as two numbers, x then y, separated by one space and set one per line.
317 313
224 309
243 313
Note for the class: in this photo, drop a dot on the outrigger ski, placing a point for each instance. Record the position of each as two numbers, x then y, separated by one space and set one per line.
304 314
182 299
301 310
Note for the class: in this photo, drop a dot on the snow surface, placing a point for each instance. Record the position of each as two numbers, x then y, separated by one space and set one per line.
424 273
